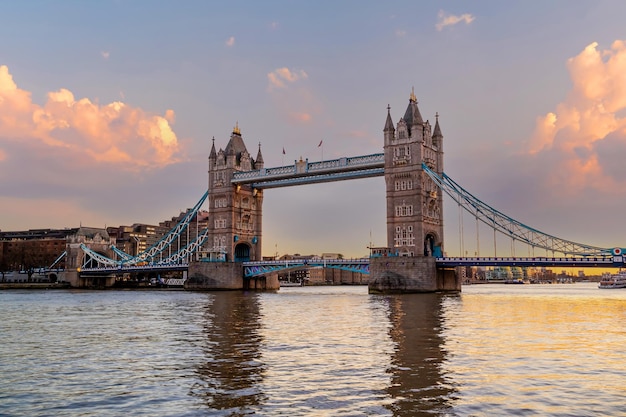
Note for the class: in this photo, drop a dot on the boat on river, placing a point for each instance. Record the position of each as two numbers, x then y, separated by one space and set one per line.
286 283
613 280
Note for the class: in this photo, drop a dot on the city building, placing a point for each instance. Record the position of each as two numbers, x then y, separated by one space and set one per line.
33 248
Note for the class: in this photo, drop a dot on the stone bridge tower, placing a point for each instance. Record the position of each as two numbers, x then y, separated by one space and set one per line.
235 220
414 208
414 201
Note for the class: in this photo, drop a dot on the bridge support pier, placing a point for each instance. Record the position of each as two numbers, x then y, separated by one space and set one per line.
76 280
215 276
209 276
410 274
263 283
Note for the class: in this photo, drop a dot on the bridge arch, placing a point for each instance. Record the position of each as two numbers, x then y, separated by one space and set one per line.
242 252
430 246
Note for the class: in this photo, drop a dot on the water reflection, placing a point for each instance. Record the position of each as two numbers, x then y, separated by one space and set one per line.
231 373
418 384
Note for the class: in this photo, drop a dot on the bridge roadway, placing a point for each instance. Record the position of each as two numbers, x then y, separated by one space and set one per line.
134 268
362 265
256 268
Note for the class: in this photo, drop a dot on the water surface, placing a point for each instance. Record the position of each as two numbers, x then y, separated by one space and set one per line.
528 350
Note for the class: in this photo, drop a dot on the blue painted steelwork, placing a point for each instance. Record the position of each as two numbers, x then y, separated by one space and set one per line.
252 269
123 255
508 226
155 250
578 262
135 268
256 268
152 254
305 172
57 260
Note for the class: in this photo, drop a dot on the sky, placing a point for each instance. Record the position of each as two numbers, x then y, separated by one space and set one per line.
108 110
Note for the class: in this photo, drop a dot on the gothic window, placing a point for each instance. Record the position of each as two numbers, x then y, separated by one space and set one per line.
404 236
220 202
403 132
219 178
404 210
246 223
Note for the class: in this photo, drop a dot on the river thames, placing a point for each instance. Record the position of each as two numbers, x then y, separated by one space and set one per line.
493 350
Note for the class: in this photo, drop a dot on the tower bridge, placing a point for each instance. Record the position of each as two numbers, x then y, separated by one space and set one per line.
227 253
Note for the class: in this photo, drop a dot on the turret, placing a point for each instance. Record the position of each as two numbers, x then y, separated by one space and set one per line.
258 162
389 130
438 144
212 155
437 136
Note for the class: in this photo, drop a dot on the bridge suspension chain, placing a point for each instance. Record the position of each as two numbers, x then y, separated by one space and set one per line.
508 226
188 250
164 244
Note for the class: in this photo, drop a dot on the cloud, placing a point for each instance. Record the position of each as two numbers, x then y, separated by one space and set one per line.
300 117
105 54
87 133
279 78
230 41
274 25
445 19
584 137
400 33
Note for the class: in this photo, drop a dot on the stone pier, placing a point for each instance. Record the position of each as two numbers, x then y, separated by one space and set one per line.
214 276
410 274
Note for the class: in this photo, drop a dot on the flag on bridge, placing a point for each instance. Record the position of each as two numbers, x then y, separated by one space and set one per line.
320 143
283 150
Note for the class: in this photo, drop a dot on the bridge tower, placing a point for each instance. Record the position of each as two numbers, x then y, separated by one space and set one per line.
236 211
414 208
414 202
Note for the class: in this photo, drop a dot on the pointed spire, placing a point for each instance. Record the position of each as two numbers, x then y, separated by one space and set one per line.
389 122
412 115
437 130
236 130
259 158
213 154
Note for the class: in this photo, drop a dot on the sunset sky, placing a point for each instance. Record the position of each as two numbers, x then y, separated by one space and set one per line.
107 110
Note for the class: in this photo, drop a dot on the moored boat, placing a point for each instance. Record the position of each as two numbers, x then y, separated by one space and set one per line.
613 280
285 283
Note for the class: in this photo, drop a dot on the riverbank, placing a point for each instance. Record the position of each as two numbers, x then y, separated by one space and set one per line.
33 286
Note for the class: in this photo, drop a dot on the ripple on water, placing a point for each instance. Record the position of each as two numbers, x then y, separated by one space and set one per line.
329 351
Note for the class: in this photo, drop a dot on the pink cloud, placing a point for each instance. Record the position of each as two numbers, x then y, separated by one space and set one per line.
446 19
580 132
300 117
114 134
280 77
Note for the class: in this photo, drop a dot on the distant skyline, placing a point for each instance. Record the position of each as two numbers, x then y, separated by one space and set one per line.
108 109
